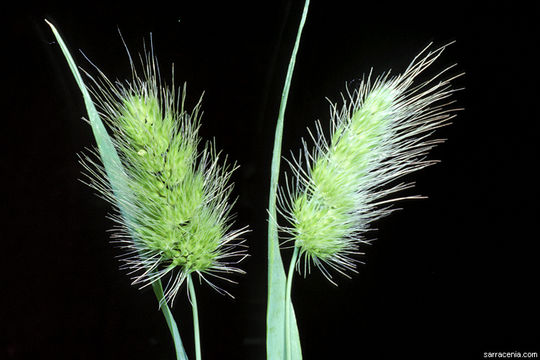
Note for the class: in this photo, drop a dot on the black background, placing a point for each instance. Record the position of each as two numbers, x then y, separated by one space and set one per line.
450 277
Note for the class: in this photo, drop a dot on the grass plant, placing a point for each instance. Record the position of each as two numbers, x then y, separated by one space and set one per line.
170 191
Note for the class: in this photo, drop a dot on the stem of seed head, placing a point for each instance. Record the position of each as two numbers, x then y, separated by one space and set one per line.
288 304
196 333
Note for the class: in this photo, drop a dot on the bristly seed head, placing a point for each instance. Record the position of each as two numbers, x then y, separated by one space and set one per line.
174 216
381 135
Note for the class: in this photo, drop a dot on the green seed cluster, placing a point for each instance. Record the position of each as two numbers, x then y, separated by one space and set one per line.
175 219
173 209
379 136
322 211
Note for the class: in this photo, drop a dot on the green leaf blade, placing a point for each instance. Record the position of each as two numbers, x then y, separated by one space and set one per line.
275 320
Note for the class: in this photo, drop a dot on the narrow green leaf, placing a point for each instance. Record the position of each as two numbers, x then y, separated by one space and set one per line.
275 315
113 168
107 152
171 323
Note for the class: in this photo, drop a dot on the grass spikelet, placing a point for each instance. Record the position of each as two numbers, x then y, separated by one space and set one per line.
344 183
175 218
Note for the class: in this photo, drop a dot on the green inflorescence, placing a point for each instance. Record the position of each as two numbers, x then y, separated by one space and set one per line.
381 135
322 211
170 190
173 208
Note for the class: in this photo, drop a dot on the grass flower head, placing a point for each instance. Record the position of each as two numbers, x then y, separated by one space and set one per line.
339 187
173 218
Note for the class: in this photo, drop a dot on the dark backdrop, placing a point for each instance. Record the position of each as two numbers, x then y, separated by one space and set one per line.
450 277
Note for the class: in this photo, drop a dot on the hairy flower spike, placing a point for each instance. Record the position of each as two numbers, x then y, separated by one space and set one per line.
380 136
174 216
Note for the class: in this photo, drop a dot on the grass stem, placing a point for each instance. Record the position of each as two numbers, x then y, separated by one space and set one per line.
288 304
196 333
